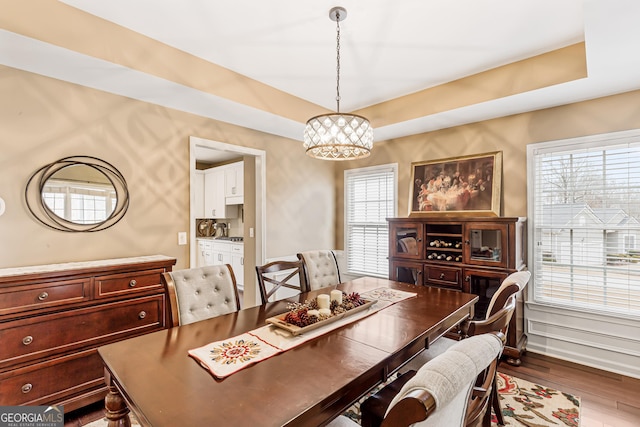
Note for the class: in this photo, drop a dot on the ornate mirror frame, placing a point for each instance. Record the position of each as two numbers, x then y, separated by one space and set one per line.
44 213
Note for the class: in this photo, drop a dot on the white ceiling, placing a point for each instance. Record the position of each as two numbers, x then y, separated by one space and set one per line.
388 49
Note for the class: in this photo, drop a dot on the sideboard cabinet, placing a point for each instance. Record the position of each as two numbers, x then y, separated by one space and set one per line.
54 317
468 254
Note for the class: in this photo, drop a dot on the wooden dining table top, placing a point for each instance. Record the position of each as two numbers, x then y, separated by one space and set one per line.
305 386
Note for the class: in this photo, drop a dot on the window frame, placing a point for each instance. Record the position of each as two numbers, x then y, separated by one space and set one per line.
384 246
600 141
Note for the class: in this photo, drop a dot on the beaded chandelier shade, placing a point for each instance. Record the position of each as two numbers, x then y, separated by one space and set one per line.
338 136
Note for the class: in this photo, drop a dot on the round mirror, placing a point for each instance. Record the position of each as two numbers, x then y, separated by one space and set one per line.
78 193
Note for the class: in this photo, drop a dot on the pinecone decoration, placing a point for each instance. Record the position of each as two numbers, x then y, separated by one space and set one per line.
333 305
304 318
323 317
354 300
313 304
292 317
339 309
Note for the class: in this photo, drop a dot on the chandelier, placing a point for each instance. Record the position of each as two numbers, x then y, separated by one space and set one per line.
338 136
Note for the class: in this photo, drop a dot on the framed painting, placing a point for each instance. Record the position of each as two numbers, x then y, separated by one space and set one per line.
468 185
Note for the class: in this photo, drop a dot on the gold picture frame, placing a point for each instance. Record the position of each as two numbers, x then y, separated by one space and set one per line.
459 186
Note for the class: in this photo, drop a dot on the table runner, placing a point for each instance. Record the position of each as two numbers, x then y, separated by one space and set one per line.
223 358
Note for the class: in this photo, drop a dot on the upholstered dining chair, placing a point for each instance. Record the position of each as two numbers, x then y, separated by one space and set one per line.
321 268
294 279
450 390
201 293
509 287
374 407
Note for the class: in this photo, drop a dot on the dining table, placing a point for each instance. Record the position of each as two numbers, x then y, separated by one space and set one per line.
155 378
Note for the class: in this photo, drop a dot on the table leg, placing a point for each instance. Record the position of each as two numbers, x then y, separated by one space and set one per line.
116 409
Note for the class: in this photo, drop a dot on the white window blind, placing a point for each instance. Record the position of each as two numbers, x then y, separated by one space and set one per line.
585 219
370 198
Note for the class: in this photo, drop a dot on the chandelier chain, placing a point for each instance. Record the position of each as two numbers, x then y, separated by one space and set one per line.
338 60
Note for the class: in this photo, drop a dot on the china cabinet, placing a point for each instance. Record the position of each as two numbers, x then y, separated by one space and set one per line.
54 317
471 255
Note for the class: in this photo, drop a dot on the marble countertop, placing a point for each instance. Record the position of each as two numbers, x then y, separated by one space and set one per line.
47 268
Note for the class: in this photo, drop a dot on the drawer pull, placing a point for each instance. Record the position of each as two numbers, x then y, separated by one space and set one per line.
142 315
43 296
132 283
27 388
441 276
27 340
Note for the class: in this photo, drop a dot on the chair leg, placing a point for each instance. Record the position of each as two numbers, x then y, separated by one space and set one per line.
495 401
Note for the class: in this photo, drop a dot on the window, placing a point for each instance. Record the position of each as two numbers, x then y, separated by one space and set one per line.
370 198
584 208
82 203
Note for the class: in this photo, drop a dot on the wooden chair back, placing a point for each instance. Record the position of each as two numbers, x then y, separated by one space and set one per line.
497 322
268 274
513 284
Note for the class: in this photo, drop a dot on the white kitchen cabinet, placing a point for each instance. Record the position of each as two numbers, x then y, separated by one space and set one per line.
234 183
198 192
214 195
221 253
205 253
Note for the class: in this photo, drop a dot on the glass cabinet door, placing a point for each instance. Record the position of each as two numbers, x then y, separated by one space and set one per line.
406 272
486 244
407 240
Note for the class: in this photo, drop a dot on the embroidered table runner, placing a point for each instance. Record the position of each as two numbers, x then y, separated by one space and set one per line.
223 358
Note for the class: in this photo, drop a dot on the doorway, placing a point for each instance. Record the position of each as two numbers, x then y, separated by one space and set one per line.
204 150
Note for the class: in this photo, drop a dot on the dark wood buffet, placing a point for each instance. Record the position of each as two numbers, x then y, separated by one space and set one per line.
54 317
469 254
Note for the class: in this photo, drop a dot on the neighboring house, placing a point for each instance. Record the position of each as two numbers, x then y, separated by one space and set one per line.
570 238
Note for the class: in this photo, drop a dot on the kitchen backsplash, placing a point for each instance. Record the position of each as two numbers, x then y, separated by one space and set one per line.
235 226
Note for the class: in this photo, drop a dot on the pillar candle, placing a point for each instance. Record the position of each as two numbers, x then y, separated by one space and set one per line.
313 313
336 295
323 301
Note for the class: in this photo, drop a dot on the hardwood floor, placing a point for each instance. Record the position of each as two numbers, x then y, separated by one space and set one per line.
608 399
84 416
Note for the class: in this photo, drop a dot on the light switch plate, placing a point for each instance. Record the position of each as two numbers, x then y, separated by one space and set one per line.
182 238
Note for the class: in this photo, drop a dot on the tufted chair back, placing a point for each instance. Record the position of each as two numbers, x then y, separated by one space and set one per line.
321 268
201 293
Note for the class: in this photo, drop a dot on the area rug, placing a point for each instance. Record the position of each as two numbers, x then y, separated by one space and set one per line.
523 404
532 405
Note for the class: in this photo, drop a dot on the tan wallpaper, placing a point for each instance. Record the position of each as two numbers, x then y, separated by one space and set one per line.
511 135
44 119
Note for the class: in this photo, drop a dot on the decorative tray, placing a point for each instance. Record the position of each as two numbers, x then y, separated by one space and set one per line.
297 330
